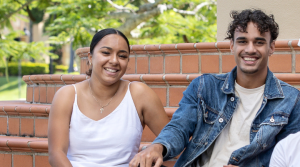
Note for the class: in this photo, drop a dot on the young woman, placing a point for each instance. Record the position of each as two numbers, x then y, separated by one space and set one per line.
99 122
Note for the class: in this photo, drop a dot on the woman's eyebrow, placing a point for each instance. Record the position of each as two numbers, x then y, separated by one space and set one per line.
123 51
106 47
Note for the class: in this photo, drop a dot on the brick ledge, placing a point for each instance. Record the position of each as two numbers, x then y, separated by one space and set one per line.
150 79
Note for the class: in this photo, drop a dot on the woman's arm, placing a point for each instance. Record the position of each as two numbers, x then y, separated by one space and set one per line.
58 126
152 110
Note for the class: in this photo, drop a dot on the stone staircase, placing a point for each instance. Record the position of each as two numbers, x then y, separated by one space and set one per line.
167 69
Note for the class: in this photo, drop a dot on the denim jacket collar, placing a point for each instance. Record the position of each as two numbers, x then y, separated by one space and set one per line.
272 87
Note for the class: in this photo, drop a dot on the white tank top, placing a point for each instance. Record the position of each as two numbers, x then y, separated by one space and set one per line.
110 142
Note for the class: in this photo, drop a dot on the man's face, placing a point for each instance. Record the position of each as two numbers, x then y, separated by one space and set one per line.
251 50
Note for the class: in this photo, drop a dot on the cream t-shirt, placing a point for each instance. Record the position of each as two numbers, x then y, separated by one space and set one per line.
237 132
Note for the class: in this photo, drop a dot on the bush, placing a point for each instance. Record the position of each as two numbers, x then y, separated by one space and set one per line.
61 68
28 68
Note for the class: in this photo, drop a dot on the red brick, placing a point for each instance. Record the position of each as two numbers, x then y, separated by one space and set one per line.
228 63
27 126
43 94
175 95
131 66
50 94
29 94
41 127
13 126
142 65
156 65
162 94
190 64
5 160
210 64
41 161
36 94
172 64
297 62
22 160
83 66
148 135
3 125
169 163
280 63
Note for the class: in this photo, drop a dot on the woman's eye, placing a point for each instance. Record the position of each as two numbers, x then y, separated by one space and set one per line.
106 53
123 56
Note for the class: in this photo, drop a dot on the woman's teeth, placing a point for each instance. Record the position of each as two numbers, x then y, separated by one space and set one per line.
110 70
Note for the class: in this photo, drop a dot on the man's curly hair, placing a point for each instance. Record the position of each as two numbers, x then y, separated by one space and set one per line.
263 22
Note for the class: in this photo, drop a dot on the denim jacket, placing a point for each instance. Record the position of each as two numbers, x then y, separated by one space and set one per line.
207 106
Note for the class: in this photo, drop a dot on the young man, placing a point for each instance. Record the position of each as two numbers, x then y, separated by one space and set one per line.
235 118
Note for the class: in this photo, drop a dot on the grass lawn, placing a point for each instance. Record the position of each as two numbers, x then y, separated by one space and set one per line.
10 91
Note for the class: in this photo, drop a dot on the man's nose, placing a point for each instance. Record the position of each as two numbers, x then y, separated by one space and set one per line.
250 48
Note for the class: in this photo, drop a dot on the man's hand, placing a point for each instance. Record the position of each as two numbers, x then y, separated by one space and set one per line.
151 155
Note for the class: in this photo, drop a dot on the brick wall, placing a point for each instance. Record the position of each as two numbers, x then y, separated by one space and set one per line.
167 69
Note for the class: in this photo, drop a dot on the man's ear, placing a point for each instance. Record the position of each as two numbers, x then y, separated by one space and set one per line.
231 45
272 48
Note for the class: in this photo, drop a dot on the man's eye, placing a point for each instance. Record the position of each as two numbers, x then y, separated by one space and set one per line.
241 41
260 43
106 53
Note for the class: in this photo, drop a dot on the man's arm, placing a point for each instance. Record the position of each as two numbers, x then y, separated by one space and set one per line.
176 134
293 123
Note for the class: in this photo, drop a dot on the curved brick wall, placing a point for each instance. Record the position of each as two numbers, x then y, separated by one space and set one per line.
167 69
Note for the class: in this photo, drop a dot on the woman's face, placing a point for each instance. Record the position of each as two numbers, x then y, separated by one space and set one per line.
109 59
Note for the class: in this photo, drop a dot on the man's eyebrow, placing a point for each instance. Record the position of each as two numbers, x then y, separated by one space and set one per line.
240 38
260 39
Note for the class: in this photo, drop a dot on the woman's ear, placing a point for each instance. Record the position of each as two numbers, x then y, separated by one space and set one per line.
89 58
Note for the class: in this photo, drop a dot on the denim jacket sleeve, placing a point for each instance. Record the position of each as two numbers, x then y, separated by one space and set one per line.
293 122
176 134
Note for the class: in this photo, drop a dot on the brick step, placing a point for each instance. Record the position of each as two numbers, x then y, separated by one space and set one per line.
18 118
204 57
169 87
38 148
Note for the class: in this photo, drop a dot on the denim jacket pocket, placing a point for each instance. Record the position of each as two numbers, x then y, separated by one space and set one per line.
209 114
270 127
278 118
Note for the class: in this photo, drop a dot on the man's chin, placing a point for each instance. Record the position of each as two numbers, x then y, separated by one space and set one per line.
249 71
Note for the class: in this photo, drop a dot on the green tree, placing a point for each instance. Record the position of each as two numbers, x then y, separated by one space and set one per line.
143 21
9 11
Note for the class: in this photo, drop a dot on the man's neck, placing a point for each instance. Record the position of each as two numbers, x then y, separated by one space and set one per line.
251 81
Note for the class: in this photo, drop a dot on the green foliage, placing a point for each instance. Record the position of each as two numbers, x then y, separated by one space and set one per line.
28 68
61 68
78 21
20 50
9 90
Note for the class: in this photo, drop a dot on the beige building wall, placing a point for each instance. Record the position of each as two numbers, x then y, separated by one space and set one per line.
286 14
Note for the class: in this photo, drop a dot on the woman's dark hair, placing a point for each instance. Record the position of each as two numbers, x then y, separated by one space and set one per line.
263 22
98 36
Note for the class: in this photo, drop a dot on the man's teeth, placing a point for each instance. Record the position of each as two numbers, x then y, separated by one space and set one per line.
249 59
111 70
